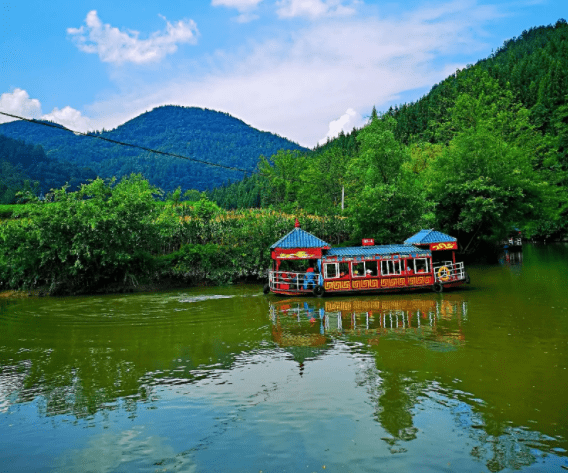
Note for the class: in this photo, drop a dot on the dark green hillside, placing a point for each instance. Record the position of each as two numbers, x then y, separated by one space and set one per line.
532 66
193 132
26 167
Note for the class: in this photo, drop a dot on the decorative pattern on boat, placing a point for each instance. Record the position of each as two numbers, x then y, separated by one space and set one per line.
365 284
297 255
337 285
419 280
394 282
444 246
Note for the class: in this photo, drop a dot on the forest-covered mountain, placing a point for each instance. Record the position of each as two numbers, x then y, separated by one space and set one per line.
188 131
484 151
25 167
531 66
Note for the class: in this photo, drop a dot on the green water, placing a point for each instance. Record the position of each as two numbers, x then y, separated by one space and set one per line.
227 379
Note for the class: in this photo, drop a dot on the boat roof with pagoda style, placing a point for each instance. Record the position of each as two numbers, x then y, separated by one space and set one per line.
299 244
299 238
434 240
425 237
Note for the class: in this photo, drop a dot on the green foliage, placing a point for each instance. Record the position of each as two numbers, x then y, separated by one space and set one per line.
532 67
385 200
484 182
118 233
79 240
14 211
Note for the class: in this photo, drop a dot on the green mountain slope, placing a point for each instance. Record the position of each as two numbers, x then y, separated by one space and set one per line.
532 66
193 132
26 167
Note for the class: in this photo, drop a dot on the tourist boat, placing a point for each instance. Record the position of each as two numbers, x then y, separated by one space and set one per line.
514 242
305 264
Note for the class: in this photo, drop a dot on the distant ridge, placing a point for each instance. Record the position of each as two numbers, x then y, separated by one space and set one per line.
189 131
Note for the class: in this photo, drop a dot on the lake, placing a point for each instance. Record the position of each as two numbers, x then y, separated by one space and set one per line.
227 379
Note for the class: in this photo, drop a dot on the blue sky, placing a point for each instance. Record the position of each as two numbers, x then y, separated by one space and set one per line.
304 69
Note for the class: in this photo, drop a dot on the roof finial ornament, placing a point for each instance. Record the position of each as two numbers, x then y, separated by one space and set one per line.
297 223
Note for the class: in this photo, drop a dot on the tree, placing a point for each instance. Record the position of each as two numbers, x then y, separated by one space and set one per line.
385 201
484 185
76 241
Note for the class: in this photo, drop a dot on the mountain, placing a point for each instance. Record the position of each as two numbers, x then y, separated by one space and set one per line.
23 165
201 134
532 66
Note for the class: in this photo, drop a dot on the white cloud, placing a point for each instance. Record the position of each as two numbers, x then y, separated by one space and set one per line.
246 17
346 122
240 5
69 118
298 85
312 8
18 103
118 47
244 7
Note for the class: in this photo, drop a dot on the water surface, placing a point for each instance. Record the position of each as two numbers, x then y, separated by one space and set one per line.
227 379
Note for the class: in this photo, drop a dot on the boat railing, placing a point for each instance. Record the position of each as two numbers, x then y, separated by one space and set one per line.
448 271
293 281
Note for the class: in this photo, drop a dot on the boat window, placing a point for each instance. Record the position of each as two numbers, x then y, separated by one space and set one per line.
358 269
331 270
343 269
390 267
397 266
421 265
410 265
371 268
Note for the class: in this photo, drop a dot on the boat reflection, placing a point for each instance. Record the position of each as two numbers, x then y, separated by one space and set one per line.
511 258
297 322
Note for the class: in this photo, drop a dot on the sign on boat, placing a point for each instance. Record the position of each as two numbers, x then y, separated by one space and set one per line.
303 264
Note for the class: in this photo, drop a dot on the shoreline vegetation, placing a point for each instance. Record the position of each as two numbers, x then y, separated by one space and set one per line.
121 237
114 236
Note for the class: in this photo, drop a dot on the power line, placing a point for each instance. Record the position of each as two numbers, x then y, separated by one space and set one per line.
121 143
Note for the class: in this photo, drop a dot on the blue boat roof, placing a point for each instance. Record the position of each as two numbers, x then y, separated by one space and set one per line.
299 238
429 236
379 250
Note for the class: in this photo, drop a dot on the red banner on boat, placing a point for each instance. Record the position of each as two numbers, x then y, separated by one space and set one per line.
297 253
452 245
368 242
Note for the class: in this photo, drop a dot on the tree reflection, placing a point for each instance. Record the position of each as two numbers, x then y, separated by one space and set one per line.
75 365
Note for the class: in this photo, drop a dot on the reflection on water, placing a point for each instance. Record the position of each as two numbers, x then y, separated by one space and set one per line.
511 258
437 322
229 379
405 401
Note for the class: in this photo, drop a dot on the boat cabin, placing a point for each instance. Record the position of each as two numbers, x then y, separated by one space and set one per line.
305 264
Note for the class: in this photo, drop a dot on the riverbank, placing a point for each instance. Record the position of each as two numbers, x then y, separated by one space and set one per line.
111 237
148 287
